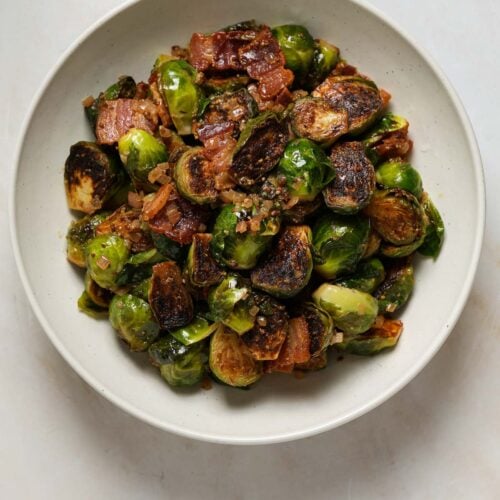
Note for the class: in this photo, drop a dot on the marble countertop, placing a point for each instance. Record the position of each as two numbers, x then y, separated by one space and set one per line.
437 438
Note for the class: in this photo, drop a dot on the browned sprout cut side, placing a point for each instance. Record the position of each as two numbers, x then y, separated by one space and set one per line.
396 289
202 269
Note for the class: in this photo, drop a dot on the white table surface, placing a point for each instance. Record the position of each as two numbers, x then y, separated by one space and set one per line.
438 438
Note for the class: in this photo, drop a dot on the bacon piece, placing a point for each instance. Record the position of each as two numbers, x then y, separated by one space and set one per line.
219 150
118 116
161 108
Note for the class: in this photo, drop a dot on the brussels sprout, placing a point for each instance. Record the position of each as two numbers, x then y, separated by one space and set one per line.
231 302
140 152
397 216
315 119
177 82
120 197
259 148
98 295
372 245
396 289
319 328
169 298
368 276
194 176
306 168
399 174
319 362
352 311
358 96
197 330
288 267
141 289
91 176
339 242
297 45
434 234
167 247
354 182
105 257
79 233
202 269
138 267
219 85
375 339
133 319
387 124
230 361
90 308
325 58
240 250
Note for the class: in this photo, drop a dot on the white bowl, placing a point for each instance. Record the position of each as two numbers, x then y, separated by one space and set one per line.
279 408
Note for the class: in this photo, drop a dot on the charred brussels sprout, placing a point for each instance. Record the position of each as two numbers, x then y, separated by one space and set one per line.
105 257
92 175
87 306
140 152
325 58
339 243
399 174
287 269
194 176
352 311
306 168
202 269
354 182
259 148
434 234
368 276
196 331
396 289
240 250
319 327
133 319
230 360
389 123
177 82
315 119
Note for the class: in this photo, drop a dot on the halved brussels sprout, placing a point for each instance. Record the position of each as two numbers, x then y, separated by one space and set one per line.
372 245
140 152
396 289
354 182
375 339
356 95
240 250
92 175
177 82
352 311
367 277
315 119
434 234
139 267
259 148
397 216
339 242
397 173
202 268
288 267
99 296
194 176
319 327
169 298
105 257
141 289
79 233
297 45
87 306
325 58
387 124
133 319
306 168
230 360
196 331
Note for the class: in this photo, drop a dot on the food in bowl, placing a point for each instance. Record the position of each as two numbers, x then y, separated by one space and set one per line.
247 208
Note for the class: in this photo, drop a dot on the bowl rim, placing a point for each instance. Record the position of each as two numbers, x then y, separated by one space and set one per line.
310 430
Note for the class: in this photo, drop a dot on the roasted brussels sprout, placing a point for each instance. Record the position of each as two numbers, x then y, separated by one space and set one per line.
396 289
325 58
140 152
91 176
138 267
87 306
202 268
372 245
169 298
99 296
287 269
105 257
319 328
133 319
230 360
196 331
368 276
177 82
356 95
315 119
434 234
141 289
306 168
339 242
297 45
168 248
387 124
259 148
240 250
374 340
79 233
352 311
194 176
354 182
399 174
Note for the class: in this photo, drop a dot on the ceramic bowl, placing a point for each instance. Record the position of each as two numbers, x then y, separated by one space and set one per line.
279 408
